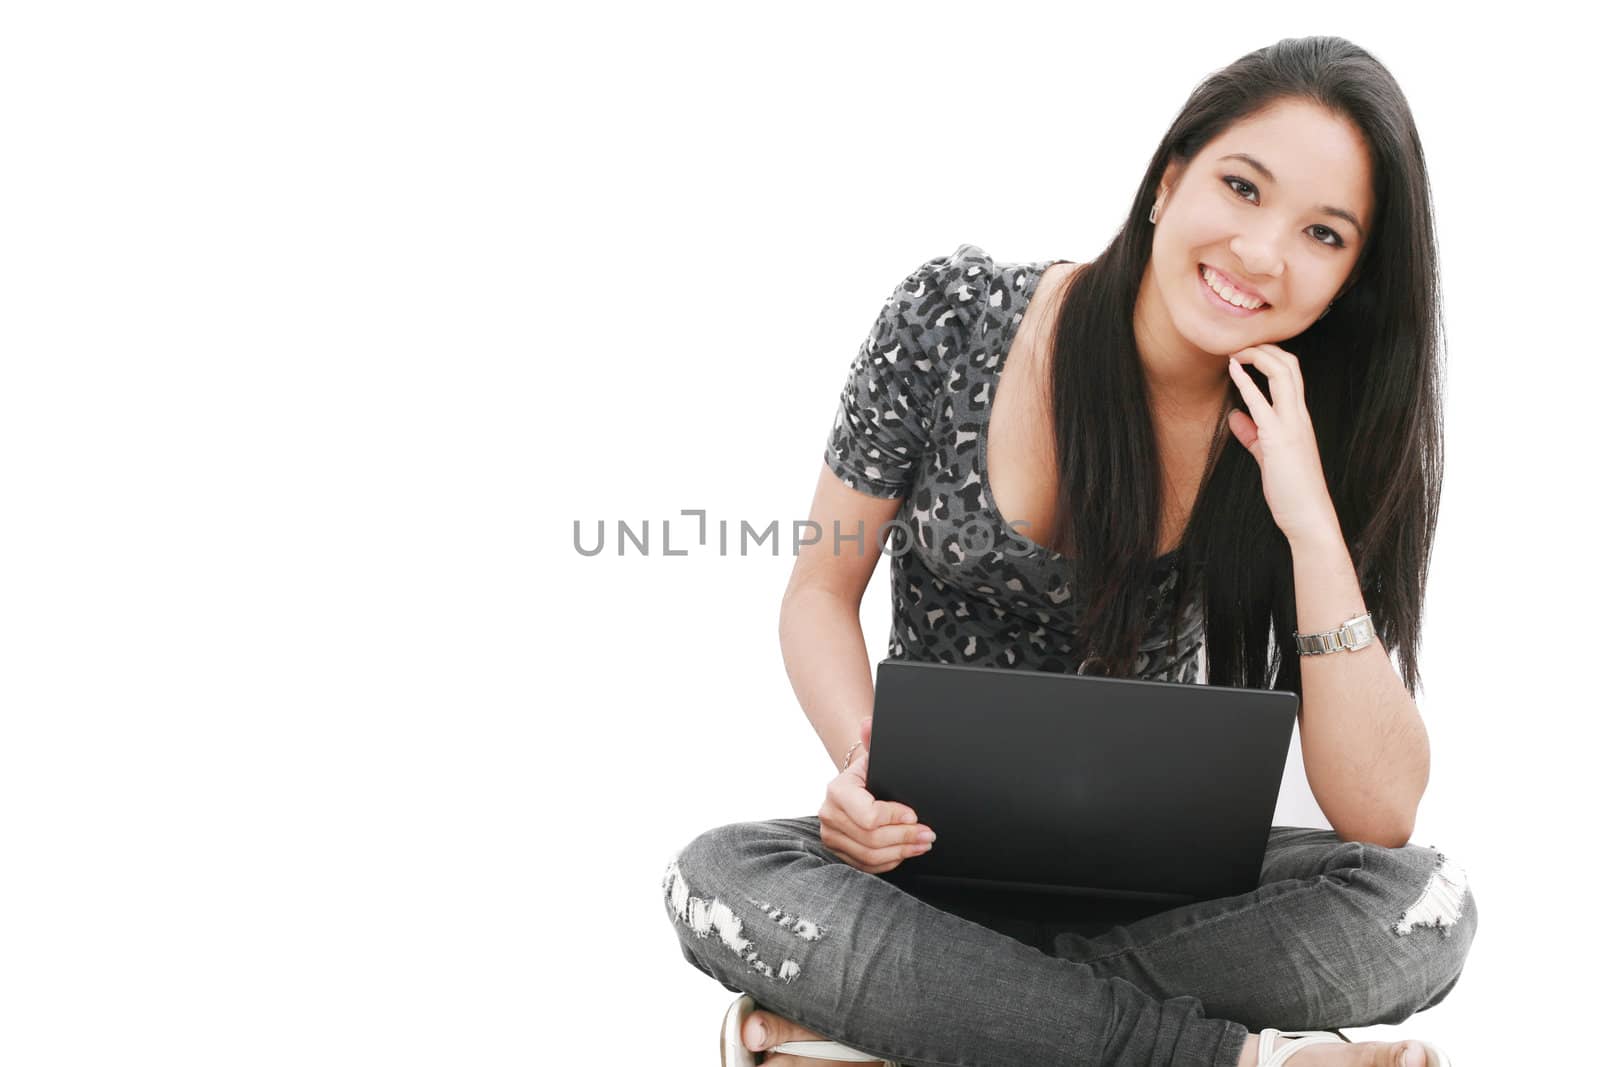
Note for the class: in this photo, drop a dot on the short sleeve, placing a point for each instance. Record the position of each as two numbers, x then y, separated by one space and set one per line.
886 410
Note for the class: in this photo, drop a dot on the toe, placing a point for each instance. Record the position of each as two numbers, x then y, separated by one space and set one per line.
757 1033
763 1029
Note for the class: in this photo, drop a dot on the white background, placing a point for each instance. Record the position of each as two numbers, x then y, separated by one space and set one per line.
324 322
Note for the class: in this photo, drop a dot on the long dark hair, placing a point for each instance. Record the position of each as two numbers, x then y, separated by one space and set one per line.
1372 368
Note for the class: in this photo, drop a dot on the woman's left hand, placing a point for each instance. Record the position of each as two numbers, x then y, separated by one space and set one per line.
1280 437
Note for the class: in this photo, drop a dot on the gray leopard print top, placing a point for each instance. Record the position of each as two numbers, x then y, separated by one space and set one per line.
912 422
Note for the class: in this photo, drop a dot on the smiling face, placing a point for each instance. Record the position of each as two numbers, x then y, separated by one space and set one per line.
1272 227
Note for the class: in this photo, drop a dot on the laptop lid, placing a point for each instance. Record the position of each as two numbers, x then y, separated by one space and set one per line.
1082 785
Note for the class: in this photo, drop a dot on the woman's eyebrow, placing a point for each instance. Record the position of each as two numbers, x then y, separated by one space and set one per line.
1325 209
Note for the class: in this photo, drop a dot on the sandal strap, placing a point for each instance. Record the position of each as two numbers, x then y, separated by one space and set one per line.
826 1050
1270 1053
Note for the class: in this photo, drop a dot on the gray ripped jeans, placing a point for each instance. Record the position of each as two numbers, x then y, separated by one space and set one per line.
1336 934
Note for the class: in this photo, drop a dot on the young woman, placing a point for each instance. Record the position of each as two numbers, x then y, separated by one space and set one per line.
1224 429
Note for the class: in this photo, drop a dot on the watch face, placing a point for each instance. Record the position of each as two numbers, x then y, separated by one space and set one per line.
1360 631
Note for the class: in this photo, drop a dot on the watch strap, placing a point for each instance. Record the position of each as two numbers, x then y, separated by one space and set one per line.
1347 637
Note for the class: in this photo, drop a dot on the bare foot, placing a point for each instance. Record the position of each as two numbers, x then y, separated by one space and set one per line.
763 1029
1355 1054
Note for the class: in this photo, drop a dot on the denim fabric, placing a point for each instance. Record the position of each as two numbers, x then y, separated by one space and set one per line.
1337 934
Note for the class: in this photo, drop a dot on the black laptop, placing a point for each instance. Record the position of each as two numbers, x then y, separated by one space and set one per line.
1091 786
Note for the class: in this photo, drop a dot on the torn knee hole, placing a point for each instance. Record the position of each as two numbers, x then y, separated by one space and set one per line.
801 928
1441 900
705 917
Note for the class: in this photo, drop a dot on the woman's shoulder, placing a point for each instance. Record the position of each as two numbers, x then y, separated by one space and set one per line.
936 307
914 356
948 287
949 306
891 398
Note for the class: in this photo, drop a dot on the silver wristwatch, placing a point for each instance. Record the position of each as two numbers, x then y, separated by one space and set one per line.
1352 634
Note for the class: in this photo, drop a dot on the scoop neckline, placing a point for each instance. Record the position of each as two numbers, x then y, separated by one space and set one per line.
1034 272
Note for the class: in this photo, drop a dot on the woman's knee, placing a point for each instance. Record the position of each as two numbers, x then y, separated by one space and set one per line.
718 882
707 863
1430 916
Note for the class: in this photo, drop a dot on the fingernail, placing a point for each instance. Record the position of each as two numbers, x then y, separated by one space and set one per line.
761 1036
926 835
909 816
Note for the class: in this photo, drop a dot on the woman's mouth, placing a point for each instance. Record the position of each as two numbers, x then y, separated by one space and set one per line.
1216 299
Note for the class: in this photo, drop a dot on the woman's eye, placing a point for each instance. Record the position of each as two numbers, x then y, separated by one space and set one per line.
1337 242
1234 183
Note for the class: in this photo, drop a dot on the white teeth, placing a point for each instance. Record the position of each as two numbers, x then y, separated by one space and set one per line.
1228 292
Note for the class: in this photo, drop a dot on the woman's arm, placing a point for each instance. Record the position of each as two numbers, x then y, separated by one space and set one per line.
819 624
1365 746
825 654
875 446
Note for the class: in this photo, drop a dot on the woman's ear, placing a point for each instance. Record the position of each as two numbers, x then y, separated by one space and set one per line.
1169 180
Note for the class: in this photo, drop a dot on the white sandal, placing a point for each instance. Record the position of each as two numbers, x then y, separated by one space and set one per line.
1270 1053
734 1054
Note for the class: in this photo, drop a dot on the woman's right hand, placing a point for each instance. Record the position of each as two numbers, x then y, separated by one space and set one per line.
868 834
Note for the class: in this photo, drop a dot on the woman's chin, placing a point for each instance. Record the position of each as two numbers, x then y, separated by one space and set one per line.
1218 343
1224 342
